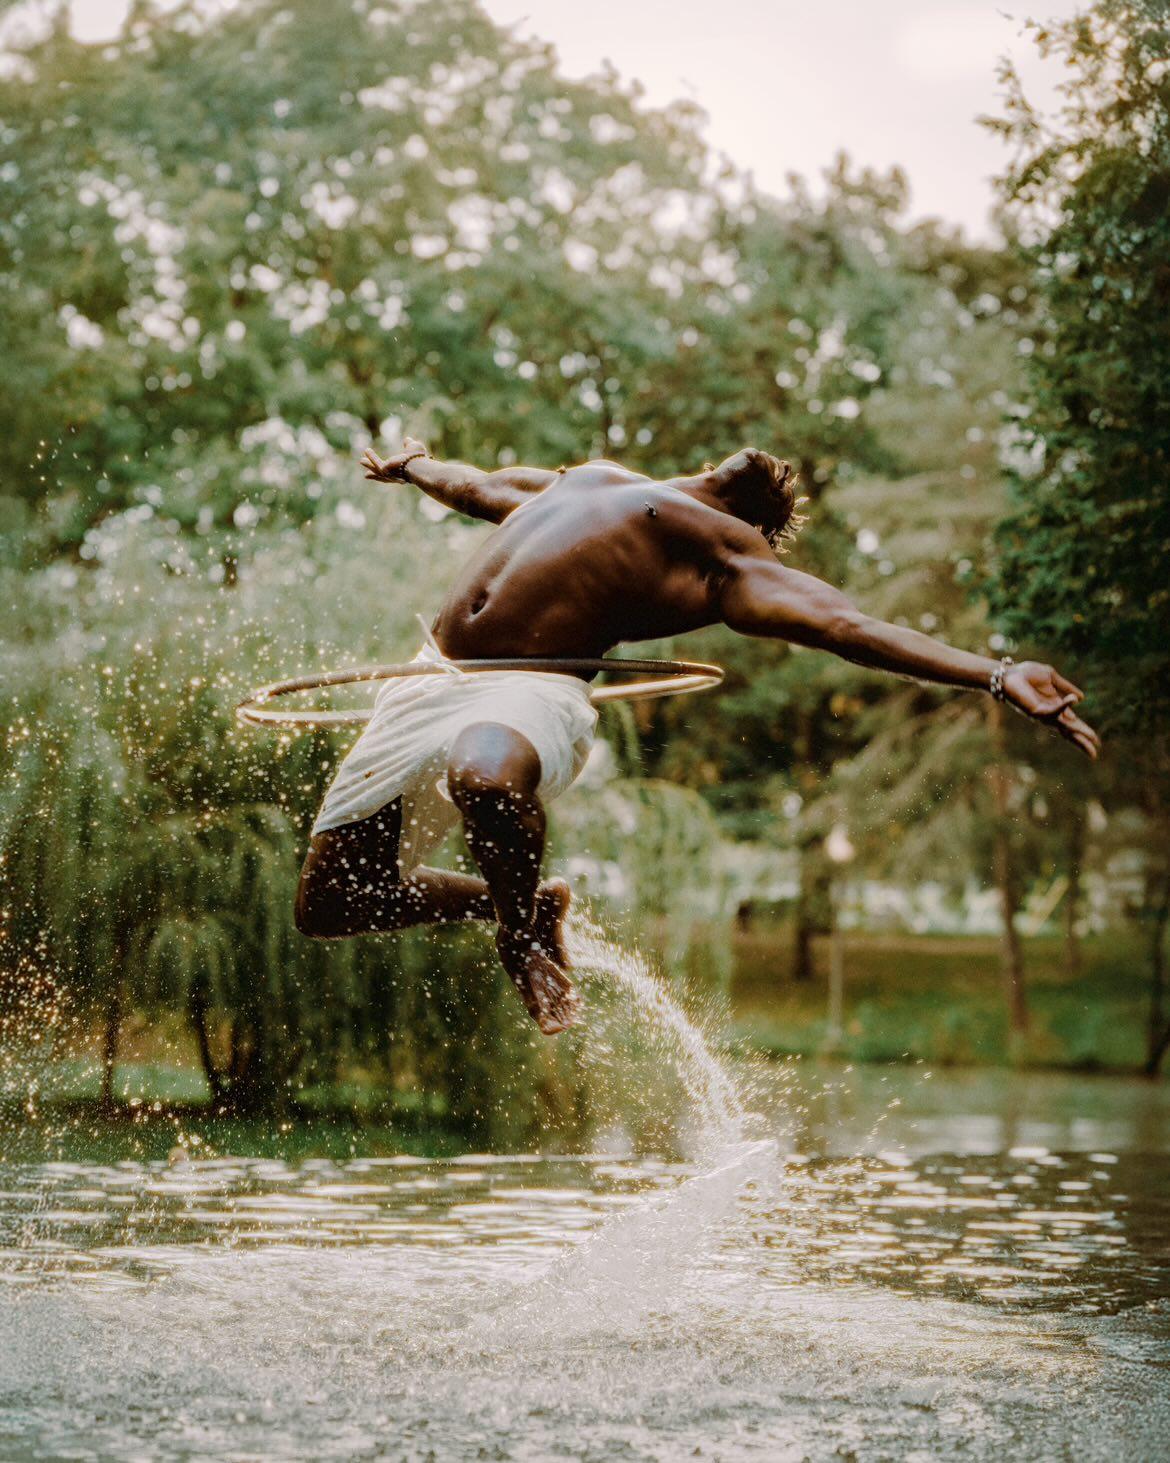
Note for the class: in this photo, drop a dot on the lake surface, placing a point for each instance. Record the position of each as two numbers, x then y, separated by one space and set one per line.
879 1265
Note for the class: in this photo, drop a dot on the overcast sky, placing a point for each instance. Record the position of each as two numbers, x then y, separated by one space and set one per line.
786 83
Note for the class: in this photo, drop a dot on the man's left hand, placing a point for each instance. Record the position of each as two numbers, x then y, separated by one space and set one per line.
1045 695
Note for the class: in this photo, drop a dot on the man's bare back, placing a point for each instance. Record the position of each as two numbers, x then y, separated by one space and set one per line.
599 558
584 560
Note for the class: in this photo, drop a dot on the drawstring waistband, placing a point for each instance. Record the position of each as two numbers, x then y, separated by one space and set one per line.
433 644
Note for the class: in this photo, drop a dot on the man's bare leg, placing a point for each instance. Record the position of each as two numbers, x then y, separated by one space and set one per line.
493 774
351 885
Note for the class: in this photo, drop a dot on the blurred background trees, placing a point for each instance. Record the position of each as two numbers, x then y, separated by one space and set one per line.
1084 550
233 252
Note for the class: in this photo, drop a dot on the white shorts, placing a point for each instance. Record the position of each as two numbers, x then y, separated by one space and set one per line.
404 750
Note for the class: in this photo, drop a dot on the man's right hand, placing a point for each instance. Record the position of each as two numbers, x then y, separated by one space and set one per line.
391 469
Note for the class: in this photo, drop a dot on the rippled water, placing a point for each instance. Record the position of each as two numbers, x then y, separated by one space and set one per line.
887 1267
587 1308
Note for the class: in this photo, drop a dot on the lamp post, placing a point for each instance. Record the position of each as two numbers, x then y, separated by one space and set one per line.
840 852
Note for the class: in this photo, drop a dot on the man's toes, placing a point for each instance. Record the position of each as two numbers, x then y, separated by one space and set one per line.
547 993
553 1025
562 1011
569 1006
559 999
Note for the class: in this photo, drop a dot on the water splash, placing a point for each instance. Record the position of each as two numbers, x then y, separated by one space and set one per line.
649 1261
650 1264
717 1106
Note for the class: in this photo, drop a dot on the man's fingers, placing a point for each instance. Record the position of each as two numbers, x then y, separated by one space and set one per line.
1069 718
1066 687
1080 733
1045 706
376 470
1054 705
1034 702
1080 739
1083 744
1050 706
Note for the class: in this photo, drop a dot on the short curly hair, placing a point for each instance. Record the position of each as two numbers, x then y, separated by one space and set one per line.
773 505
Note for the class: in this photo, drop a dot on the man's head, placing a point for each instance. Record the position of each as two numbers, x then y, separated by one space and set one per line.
759 488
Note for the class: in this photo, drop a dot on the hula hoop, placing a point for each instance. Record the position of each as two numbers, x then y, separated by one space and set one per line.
668 678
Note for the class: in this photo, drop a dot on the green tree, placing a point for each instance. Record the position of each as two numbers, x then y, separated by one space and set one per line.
307 220
1084 551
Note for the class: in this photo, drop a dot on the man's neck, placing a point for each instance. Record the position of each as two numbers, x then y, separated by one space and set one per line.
705 488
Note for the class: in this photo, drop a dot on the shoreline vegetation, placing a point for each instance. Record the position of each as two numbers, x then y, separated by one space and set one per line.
907 1000
929 1002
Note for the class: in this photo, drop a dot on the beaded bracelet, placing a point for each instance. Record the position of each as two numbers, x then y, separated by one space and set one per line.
406 461
997 675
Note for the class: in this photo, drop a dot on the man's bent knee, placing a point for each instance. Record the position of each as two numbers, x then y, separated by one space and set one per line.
314 917
320 908
344 870
490 761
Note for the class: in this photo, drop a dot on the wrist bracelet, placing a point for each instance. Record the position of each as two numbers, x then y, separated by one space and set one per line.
406 461
997 675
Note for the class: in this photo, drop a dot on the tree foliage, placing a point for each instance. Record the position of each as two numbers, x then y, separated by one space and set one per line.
1085 549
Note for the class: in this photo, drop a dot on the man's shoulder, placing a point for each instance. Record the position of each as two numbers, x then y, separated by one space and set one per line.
602 470
703 525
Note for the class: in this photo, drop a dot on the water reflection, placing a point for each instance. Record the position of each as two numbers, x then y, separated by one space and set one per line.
843 1111
1086 1232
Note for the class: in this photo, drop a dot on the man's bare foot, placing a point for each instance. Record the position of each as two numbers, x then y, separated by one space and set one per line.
549 996
552 905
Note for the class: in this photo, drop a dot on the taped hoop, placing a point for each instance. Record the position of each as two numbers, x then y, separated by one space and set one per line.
668 678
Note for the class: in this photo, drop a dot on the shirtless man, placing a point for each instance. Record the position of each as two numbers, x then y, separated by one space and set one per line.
584 560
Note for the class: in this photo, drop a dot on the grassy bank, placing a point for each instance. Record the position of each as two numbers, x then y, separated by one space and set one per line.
940 999
907 998
156 1131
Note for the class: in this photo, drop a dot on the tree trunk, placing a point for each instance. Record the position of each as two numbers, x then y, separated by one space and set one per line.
113 1032
1007 882
257 1085
1072 897
237 1053
198 1014
835 1025
1158 1040
802 935
1011 954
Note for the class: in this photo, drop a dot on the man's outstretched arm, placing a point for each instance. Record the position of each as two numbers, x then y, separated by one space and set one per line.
761 597
488 495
